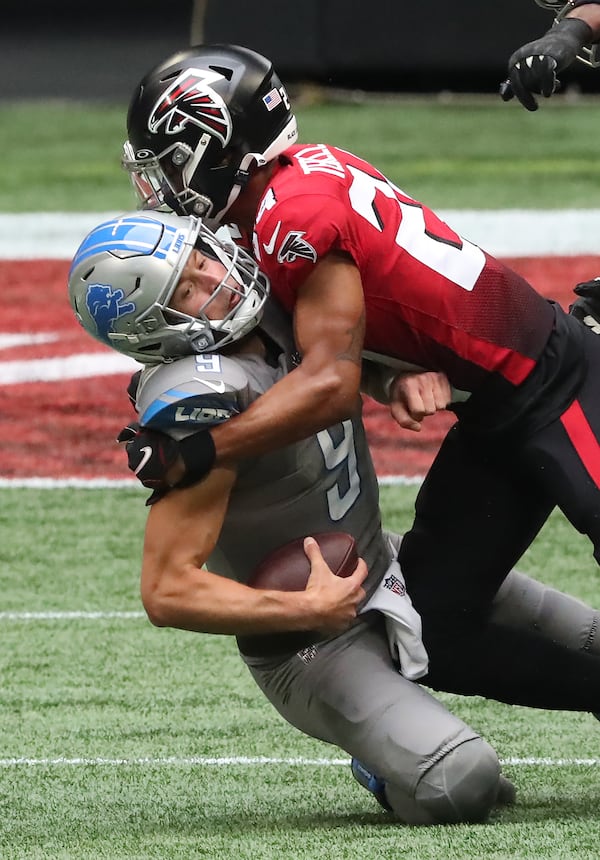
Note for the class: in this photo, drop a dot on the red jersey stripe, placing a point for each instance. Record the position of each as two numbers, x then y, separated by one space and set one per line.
582 437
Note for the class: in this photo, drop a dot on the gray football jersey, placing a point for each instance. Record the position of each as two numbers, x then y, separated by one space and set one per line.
324 483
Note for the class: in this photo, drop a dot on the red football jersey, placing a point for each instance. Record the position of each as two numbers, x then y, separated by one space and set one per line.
432 298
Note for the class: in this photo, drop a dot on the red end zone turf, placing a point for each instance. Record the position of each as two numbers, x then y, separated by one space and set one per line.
66 428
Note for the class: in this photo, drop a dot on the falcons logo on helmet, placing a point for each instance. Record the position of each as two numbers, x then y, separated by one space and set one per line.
191 100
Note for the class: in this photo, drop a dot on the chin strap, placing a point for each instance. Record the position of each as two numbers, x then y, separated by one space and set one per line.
240 180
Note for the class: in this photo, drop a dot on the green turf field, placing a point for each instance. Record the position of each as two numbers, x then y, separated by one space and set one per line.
123 741
469 153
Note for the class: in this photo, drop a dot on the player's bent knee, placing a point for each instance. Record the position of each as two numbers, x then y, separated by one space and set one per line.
461 787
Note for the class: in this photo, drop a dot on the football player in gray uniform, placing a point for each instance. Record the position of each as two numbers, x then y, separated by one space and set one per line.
340 660
534 67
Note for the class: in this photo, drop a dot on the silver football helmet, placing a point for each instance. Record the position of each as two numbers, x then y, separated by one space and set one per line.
125 272
589 54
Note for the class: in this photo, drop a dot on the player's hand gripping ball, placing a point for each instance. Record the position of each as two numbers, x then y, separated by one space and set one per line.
287 568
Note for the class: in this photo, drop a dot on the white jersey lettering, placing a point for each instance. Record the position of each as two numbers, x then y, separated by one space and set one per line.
318 159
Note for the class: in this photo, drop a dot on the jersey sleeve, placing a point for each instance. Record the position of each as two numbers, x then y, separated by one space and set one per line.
295 235
193 393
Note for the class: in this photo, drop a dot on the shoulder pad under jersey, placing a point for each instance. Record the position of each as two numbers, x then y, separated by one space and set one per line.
194 392
277 324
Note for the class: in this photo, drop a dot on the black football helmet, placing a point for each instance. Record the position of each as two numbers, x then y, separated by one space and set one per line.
198 123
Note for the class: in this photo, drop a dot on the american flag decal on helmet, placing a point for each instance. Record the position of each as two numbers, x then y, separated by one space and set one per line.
272 99
191 99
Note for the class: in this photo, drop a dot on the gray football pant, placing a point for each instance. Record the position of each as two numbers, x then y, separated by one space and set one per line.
437 769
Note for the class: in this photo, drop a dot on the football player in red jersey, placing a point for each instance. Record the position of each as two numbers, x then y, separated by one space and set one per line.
363 266
533 68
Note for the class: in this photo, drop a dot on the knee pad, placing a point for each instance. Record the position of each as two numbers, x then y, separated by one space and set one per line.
460 787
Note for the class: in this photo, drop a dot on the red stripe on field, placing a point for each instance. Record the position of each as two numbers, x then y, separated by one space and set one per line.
67 429
582 436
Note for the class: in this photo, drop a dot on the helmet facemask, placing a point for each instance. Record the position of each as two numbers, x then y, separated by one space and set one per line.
246 285
161 181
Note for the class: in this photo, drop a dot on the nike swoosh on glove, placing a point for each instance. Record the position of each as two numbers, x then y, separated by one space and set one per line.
161 463
150 456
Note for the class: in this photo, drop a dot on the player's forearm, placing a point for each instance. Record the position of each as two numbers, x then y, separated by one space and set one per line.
177 591
591 15
301 404
204 602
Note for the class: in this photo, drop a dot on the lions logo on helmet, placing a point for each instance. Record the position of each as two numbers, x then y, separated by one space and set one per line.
104 305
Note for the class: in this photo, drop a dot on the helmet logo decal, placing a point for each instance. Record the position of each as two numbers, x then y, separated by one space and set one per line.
191 100
272 99
104 305
295 246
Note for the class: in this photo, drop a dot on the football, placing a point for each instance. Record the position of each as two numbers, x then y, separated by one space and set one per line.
287 567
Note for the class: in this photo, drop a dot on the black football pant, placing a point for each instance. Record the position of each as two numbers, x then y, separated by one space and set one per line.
479 509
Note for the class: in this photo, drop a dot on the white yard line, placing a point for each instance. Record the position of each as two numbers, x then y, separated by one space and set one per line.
252 761
75 615
209 761
504 232
126 483
69 483
79 366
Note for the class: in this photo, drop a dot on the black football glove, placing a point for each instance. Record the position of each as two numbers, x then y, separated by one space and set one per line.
533 68
153 457
587 307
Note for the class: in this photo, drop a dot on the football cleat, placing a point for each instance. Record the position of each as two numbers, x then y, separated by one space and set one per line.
507 793
371 782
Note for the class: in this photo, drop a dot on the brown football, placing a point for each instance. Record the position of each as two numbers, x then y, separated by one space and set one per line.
287 568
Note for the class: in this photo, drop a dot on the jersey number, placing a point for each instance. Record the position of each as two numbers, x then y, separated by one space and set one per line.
346 490
421 233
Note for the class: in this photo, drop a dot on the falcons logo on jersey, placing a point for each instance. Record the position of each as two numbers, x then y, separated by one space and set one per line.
192 100
295 246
